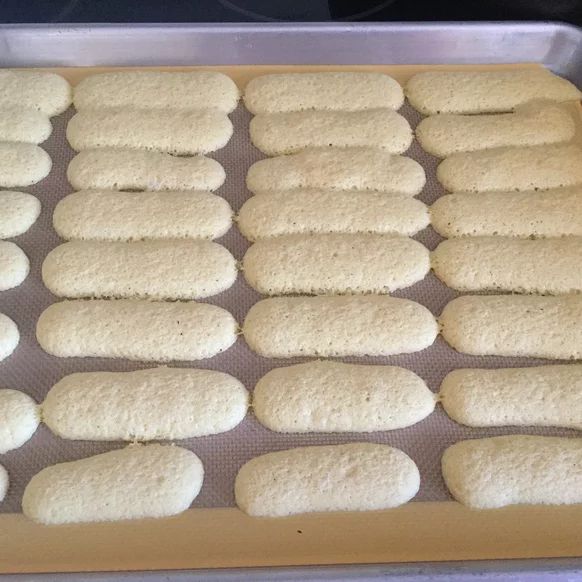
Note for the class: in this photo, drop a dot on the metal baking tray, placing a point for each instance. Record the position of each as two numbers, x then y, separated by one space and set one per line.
236 49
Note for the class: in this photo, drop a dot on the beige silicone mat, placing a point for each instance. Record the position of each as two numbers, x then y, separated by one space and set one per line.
31 370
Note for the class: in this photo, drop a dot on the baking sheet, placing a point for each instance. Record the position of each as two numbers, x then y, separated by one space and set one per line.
33 371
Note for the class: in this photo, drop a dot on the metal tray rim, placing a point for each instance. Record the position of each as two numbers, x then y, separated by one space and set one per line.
554 44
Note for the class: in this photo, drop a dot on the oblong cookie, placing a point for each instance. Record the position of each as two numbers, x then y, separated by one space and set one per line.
326 396
443 135
153 404
352 477
9 336
344 91
317 212
170 269
22 164
157 90
136 330
24 125
173 132
485 91
128 216
338 169
518 469
513 325
286 133
522 214
19 419
334 264
328 326
46 92
14 265
131 483
536 396
112 169
486 263
4 482
18 212
501 169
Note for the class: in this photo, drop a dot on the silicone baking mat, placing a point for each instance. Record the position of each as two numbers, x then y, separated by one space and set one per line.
33 371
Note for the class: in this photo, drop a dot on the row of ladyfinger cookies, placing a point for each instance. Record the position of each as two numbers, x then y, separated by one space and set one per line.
354 169
430 93
155 480
380 325
480 473
198 132
314 397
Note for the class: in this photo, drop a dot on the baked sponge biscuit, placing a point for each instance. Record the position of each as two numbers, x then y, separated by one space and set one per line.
14 265
45 92
322 91
502 169
135 330
518 469
352 477
9 336
513 325
22 164
119 169
332 326
443 135
324 211
24 125
326 396
536 396
142 270
334 264
4 482
173 132
286 133
19 419
131 483
338 169
494 263
18 212
157 90
127 216
551 213
485 91
153 404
